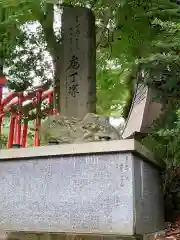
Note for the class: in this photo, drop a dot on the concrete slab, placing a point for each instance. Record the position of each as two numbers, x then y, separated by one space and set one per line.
101 188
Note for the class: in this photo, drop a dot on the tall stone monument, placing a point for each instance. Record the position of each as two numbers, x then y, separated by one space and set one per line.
77 121
78 75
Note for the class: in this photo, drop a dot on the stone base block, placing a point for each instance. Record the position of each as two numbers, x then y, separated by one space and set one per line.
102 188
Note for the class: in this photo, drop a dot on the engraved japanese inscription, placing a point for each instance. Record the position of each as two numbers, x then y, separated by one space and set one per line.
78 84
72 84
82 194
144 111
136 115
140 94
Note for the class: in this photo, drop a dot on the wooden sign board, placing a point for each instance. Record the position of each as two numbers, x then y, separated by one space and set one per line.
144 111
78 75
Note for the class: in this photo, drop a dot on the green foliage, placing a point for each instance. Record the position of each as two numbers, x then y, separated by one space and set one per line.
3 141
130 33
29 63
110 102
124 32
164 141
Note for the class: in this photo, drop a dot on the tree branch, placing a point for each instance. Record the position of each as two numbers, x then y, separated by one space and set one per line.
100 34
2 46
47 25
93 3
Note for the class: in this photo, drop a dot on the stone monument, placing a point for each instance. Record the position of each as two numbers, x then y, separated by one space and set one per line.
63 129
86 189
144 110
76 122
78 74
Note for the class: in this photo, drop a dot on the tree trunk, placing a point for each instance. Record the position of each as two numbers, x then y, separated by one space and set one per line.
54 47
2 50
1 66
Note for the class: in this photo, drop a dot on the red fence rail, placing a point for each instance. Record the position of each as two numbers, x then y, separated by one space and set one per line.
20 113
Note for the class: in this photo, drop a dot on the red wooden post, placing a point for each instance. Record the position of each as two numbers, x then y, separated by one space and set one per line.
11 130
50 101
18 120
1 108
38 119
24 135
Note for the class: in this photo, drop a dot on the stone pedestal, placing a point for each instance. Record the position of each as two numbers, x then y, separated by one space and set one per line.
104 188
78 73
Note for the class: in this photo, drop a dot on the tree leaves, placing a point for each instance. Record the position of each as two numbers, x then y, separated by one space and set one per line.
126 30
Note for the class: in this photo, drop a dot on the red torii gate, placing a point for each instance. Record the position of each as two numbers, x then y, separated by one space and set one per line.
13 104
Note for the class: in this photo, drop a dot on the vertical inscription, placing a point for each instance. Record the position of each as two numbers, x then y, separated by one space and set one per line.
123 168
71 39
141 93
136 115
108 201
73 86
74 62
77 33
86 214
83 200
78 62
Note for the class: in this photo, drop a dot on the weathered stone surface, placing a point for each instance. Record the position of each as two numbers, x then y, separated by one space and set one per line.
144 111
74 130
78 74
100 193
3 235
